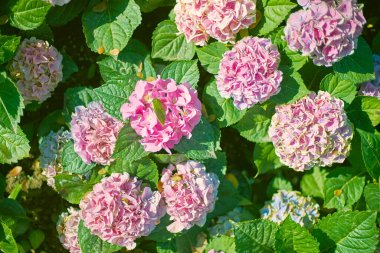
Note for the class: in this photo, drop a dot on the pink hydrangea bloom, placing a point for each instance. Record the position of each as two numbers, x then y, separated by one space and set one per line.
57 2
372 88
182 113
220 19
37 69
307 3
189 193
314 131
67 229
94 132
325 32
120 210
249 72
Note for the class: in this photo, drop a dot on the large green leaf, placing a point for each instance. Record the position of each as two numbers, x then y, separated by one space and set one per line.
72 187
14 216
275 11
347 232
150 5
7 242
292 87
314 184
364 112
343 89
211 55
108 25
255 236
11 103
343 188
169 46
8 47
203 142
90 243
13 145
182 71
291 237
372 196
265 158
357 68
255 123
29 14
61 15
221 243
118 71
224 109
370 148
72 162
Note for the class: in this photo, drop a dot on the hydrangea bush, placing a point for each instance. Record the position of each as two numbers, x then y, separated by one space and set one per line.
190 126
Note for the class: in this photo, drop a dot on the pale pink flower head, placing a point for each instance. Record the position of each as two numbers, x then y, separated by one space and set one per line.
57 2
67 229
249 72
94 132
189 193
220 19
306 3
180 105
314 131
326 32
37 69
120 210
372 88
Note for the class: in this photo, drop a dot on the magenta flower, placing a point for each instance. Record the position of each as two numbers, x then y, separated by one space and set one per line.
189 193
220 19
37 69
67 229
372 88
94 133
326 32
57 2
249 72
181 107
313 131
120 210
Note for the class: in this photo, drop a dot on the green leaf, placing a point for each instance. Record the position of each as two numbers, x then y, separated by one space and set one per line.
14 216
217 165
182 71
211 55
29 14
357 68
8 47
343 89
150 5
7 242
347 232
228 199
255 236
159 110
291 237
77 96
224 109
278 183
108 25
122 73
11 103
292 87
69 67
314 184
169 46
372 196
364 112
169 158
71 187
370 147
36 237
265 158
222 243
90 243
127 146
61 15
275 12
113 96
343 188
255 124
13 145
144 169
72 162
203 142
